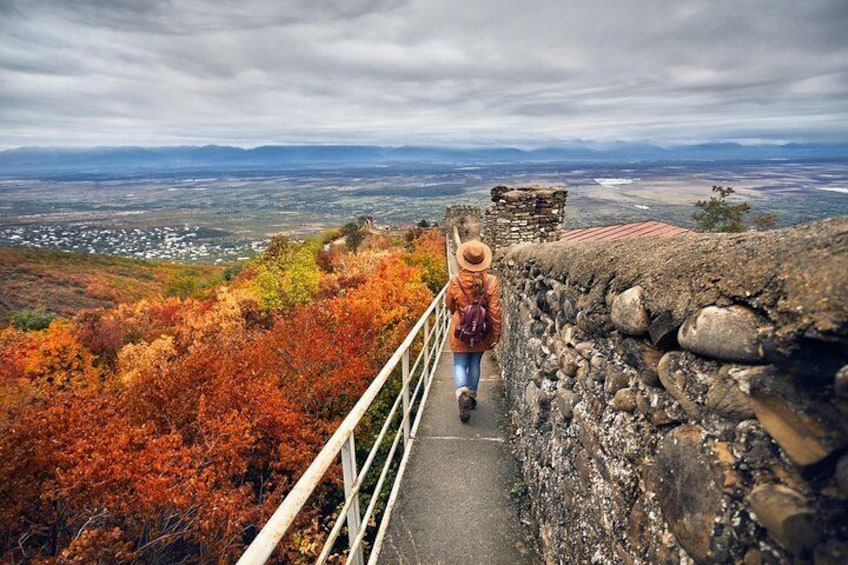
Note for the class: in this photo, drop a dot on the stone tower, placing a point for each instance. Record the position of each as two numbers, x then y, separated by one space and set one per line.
524 214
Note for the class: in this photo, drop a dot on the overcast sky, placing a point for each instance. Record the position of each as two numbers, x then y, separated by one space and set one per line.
394 72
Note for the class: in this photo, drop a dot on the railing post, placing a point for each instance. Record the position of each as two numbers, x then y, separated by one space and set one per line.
438 328
348 455
444 320
405 393
427 346
440 314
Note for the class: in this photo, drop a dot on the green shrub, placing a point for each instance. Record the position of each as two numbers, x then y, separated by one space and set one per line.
28 319
353 236
231 272
719 215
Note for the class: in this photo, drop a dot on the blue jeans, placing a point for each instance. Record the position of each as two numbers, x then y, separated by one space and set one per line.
466 369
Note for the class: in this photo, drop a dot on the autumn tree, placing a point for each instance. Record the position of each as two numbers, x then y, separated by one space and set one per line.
286 274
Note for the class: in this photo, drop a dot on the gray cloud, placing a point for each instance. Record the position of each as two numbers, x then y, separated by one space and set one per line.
424 71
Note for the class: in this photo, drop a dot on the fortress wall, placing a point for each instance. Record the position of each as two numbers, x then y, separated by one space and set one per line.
524 214
466 219
682 399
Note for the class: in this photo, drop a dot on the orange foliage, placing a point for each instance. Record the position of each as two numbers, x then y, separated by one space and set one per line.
50 361
428 252
168 430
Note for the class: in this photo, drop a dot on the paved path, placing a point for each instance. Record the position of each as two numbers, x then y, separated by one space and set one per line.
454 504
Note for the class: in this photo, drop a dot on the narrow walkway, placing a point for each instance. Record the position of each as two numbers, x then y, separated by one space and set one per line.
454 504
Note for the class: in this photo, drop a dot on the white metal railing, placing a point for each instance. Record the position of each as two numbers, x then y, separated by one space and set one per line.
415 380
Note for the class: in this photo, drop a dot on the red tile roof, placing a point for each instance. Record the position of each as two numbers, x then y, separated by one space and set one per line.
623 231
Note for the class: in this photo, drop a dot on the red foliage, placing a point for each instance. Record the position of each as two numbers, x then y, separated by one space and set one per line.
169 430
101 335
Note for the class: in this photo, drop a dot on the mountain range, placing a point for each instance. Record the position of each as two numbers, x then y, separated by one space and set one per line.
40 160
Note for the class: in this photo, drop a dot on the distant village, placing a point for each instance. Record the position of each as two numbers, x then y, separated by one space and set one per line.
184 244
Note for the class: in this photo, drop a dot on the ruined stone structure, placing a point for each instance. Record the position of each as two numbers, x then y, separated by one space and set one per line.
680 399
466 220
524 214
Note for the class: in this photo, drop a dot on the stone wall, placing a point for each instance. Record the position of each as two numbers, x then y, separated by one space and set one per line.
466 219
682 400
524 214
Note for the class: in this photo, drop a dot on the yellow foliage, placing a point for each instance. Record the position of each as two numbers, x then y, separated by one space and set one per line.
286 278
202 321
137 360
59 361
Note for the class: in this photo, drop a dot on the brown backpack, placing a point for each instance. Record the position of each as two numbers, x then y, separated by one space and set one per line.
473 317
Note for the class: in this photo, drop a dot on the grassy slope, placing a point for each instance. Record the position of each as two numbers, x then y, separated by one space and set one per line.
64 283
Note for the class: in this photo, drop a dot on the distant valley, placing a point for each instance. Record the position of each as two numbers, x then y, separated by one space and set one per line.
93 201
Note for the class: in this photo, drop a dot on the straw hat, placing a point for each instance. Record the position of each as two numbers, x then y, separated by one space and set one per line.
474 256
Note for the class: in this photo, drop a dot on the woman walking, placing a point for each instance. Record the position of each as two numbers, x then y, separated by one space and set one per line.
472 284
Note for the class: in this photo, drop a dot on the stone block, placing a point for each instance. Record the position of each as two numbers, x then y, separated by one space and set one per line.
799 432
673 378
584 377
557 346
726 399
599 364
615 380
642 357
642 404
590 323
552 300
693 505
629 314
730 334
586 349
624 400
660 417
565 400
569 361
787 517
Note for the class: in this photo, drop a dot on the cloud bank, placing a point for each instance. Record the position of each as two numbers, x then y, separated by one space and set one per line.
536 72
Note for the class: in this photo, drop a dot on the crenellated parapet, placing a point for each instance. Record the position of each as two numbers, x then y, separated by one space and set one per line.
682 399
524 214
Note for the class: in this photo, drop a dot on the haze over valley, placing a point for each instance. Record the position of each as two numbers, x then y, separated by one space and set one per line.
214 214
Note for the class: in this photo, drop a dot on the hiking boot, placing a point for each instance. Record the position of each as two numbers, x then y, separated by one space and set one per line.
464 403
